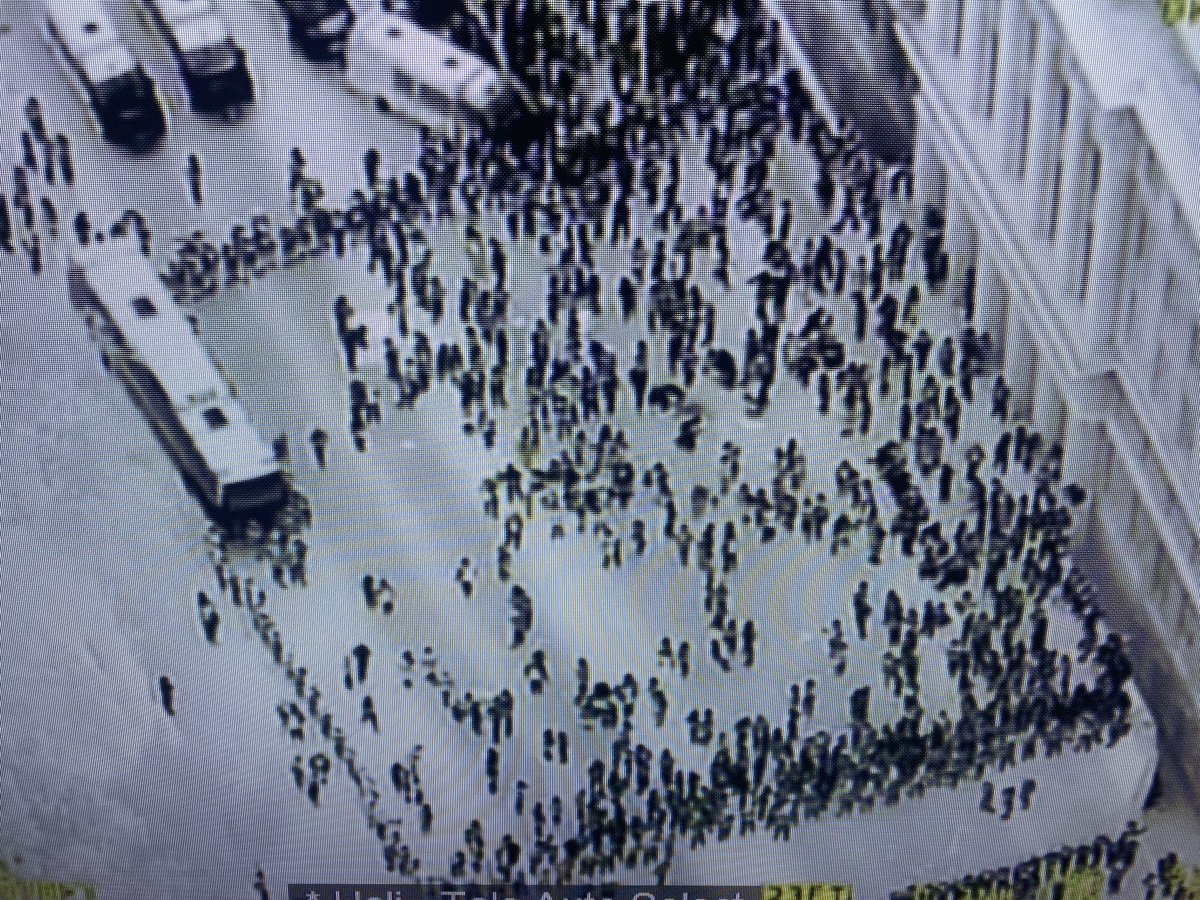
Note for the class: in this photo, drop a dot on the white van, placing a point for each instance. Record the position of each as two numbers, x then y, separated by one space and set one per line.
417 74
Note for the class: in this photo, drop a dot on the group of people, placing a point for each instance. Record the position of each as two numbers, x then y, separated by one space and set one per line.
308 716
986 528
47 172
1086 870
678 132
30 219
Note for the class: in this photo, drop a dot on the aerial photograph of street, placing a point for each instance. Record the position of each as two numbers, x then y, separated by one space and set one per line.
600 443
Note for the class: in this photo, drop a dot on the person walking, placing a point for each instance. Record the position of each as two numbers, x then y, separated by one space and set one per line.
195 178
319 438
166 690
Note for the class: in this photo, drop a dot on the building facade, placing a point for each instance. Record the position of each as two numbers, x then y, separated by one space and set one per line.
1060 139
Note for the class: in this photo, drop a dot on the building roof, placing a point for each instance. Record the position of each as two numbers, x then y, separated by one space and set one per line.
1133 60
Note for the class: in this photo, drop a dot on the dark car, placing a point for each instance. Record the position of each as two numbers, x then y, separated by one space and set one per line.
318 28
217 78
129 111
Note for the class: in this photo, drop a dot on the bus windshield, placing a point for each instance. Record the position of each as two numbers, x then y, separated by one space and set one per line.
255 493
314 12
129 99
127 95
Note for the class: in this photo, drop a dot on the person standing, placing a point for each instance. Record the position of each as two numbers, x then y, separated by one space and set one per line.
83 228
371 163
166 691
320 445
862 609
28 154
195 177
210 620
66 164
6 233
369 715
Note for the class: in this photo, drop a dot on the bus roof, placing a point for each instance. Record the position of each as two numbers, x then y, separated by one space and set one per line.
110 62
205 31
121 282
487 89
137 304
83 24
89 37
431 59
228 441
173 12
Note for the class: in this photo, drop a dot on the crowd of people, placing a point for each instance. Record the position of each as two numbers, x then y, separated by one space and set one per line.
618 159
674 127
307 716
29 219
1086 870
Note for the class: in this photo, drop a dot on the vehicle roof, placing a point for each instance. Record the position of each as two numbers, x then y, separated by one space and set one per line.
235 451
89 19
432 59
83 25
91 38
118 273
201 32
175 11
102 64
164 342
487 88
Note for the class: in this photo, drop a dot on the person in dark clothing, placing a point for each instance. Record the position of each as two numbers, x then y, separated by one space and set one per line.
166 690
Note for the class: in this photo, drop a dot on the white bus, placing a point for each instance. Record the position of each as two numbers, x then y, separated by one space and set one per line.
411 71
122 97
186 400
211 64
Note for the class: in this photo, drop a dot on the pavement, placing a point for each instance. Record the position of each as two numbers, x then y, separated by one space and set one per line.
105 551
